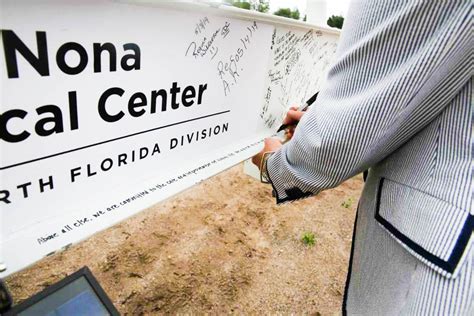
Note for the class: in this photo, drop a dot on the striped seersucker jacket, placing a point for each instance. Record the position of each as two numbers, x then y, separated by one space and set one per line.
397 100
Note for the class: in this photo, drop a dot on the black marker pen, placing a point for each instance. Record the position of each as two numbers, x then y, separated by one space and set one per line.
302 108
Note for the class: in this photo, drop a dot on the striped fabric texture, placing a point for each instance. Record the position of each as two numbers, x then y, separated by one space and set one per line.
398 100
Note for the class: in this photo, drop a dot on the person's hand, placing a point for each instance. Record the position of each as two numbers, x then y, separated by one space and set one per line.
271 144
292 118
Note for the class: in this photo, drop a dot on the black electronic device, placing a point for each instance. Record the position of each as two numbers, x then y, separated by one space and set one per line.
76 294
6 300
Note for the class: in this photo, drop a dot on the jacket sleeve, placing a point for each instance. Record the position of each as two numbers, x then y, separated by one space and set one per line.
397 66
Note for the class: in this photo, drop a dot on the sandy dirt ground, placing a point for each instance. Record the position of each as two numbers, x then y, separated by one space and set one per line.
222 246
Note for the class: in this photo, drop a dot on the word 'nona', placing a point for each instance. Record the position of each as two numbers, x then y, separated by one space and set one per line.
14 46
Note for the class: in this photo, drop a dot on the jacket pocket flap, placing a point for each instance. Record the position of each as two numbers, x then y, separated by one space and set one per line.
435 231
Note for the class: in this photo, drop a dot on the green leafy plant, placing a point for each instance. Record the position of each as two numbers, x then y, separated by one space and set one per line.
261 6
288 13
256 5
242 4
308 239
347 203
295 14
336 21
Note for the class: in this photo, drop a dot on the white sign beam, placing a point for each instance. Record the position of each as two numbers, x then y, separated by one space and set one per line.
110 107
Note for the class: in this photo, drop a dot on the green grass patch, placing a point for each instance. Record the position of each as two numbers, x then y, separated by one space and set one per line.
348 203
308 239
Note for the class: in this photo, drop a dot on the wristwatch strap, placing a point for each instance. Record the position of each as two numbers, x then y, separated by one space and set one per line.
264 178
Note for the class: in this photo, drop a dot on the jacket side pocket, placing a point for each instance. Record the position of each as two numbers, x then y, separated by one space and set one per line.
435 231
